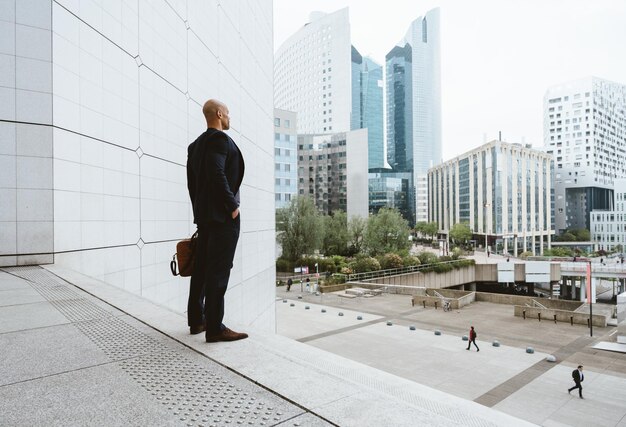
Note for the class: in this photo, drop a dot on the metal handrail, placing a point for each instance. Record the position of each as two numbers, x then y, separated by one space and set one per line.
394 271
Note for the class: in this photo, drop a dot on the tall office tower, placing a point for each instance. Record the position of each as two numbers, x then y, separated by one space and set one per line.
367 105
285 157
312 74
585 130
414 105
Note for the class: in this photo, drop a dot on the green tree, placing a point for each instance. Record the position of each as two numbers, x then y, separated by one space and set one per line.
386 232
582 235
356 234
427 228
300 228
460 233
335 234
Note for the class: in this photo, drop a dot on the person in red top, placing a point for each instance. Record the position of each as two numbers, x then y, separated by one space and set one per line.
472 339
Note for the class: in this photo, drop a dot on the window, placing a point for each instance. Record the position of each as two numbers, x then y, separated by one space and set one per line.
287 168
287 182
277 151
277 197
276 122
277 166
287 123
277 181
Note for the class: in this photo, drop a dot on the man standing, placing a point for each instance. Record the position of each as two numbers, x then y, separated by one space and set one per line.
215 170
472 338
577 375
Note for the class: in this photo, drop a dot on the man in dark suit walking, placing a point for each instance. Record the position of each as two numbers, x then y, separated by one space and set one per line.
215 170
578 377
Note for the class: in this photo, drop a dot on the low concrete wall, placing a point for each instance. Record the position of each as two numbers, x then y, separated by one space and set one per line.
561 315
431 279
457 299
523 300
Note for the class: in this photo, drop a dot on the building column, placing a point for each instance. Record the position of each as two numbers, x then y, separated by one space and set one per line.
515 247
506 245
541 244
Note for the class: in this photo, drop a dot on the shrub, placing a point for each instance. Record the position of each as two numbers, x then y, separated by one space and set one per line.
389 261
525 255
283 266
410 260
427 258
346 270
445 258
364 264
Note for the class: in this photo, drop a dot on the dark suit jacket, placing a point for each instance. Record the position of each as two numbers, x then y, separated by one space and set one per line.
578 377
215 170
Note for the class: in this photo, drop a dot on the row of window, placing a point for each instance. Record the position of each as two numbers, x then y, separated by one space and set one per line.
286 123
286 167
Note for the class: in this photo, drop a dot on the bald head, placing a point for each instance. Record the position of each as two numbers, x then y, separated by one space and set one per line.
216 114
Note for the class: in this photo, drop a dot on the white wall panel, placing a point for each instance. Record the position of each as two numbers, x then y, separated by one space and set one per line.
127 79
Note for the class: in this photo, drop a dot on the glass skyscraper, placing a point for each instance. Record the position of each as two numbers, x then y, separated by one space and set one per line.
367 105
414 106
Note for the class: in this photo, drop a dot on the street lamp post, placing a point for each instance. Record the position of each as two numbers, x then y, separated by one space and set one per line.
486 206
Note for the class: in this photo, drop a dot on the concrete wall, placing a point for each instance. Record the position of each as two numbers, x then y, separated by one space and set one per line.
547 315
457 299
357 191
523 300
431 279
99 103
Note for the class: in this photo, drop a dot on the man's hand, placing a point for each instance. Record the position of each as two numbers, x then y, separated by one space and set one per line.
235 213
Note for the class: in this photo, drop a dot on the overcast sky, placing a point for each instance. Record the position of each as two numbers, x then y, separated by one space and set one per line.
498 57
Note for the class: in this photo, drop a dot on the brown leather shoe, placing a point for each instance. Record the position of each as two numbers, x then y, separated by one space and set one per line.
195 330
226 335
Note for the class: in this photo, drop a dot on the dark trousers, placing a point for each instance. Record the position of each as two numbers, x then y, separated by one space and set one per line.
213 260
472 341
578 386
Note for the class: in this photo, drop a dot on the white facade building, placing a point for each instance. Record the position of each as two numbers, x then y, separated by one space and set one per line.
585 130
98 103
501 190
285 157
414 105
608 228
312 74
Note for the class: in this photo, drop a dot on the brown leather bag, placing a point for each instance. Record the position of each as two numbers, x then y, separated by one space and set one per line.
184 256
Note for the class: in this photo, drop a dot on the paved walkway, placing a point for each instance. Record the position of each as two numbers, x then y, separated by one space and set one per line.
505 378
69 359
76 351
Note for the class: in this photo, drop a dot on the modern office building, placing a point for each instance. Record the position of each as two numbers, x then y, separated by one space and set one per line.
367 105
313 74
99 101
285 157
413 82
501 190
391 189
608 227
585 130
332 170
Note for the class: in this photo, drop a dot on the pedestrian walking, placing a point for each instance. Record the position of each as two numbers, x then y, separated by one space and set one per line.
289 283
472 339
578 377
